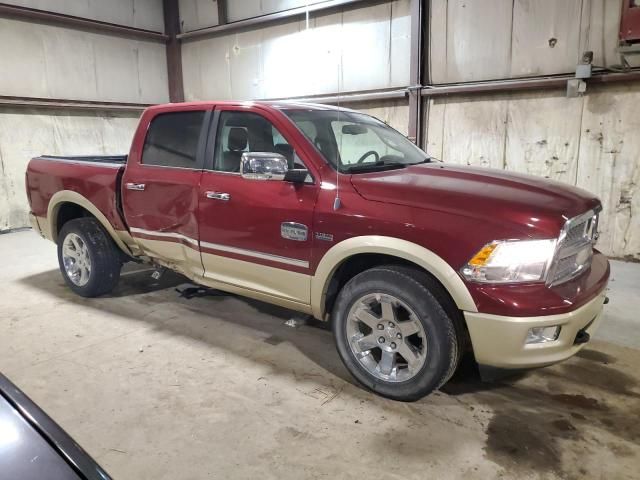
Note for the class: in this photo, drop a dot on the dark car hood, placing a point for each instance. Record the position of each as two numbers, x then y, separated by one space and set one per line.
537 206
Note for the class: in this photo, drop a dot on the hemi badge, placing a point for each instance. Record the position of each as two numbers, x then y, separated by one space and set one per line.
327 237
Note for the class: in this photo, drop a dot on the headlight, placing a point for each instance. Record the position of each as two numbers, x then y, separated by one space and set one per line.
511 261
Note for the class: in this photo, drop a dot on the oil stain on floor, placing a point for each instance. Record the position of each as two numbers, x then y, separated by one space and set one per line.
575 420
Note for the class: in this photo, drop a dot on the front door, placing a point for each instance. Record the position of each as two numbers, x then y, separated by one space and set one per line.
255 234
160 190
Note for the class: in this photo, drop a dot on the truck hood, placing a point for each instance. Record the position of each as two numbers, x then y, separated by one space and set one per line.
539 207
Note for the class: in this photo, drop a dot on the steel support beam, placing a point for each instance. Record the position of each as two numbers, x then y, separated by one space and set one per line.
70 21
57 103
557 82
223 18
270 18
349 97
173 50
415 71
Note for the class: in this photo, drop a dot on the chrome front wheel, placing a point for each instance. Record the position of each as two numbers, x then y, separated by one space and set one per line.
386 337
76 259
393 334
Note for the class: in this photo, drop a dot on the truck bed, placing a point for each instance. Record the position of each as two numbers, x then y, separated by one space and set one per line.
96 178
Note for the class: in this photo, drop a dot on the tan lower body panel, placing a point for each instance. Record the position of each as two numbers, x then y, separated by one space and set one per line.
268 284
269 281
499 341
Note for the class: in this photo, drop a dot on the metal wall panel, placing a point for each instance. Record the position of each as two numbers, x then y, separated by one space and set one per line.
590 141
497 39
197 14
469 131
394 113
600 26
239 10
610 165
542 135
146 14
54 62
546 37
470 40
25 133
359 49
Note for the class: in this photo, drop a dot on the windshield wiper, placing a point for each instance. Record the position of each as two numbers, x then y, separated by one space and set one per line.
373 167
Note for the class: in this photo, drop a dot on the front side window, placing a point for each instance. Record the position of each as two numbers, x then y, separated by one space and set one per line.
172 140
354 142
240 132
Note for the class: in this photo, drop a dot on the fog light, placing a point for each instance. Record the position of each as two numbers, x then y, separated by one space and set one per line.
543 334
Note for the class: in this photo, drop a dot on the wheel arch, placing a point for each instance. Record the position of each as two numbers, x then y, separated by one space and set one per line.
390 248
65 199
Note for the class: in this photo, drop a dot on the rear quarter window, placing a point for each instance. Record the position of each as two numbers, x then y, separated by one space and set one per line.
172 140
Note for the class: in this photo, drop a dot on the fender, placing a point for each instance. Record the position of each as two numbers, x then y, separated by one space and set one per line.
68 196
396 247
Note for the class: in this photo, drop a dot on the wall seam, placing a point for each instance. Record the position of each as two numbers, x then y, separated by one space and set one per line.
584 101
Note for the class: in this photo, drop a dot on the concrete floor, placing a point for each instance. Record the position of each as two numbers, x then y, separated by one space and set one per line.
159 387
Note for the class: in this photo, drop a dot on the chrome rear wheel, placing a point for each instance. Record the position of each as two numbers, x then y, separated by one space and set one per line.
76 259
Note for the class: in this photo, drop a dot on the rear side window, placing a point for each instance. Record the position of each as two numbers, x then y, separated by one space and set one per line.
172 140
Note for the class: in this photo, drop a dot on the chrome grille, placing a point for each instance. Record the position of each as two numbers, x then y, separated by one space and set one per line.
575 248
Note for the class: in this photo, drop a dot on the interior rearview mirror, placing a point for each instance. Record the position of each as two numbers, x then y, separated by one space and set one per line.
263 166
354 129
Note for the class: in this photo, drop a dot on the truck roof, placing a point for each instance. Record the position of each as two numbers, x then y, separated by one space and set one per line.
278 104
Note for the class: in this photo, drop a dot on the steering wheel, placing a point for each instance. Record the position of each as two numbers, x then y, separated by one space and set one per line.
369 153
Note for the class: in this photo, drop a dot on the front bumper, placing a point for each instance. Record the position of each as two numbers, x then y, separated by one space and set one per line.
499 341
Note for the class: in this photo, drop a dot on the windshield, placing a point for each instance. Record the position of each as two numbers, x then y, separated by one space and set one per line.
355 142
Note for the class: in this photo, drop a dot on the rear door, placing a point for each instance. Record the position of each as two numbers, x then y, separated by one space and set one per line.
255 234
160 188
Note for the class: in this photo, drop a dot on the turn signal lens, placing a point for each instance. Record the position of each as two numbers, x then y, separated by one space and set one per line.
504 261
480 258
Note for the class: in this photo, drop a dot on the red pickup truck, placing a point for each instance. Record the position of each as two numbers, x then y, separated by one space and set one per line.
331 212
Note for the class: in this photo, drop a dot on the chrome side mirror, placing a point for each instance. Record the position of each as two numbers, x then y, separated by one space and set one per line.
263 166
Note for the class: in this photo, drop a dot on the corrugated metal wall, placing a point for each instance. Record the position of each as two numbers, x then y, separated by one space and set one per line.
25 133
471 40
358 49
591 141
46 61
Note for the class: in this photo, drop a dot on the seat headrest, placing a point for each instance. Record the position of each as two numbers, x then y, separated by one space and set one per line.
237 139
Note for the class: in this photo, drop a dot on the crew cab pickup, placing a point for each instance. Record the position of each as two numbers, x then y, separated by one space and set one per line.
331 212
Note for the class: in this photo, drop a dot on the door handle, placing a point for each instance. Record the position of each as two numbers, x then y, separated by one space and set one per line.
135 186
218 196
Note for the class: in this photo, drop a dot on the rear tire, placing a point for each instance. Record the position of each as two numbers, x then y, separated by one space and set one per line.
89 260
393 334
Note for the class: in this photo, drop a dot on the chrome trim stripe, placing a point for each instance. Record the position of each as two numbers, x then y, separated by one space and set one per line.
224 248
164 234
254 254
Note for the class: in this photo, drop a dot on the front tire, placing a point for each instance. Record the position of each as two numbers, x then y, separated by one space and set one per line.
89 260
393 334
